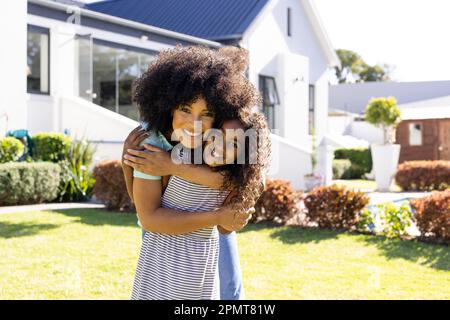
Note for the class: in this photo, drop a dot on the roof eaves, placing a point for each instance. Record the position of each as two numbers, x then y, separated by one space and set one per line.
128 23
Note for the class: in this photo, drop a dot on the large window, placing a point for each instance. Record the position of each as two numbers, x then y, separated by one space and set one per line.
311 108
268 89
114 68
38 60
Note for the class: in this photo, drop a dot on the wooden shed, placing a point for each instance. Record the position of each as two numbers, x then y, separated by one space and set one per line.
424 133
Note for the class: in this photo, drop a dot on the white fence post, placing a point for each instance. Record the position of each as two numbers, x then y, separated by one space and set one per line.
325 156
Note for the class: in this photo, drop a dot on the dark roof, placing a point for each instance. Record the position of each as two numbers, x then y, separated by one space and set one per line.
209 19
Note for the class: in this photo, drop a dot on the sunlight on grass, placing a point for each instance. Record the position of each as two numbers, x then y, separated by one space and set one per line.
92 254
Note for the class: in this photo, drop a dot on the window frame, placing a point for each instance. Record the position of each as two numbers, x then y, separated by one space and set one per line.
289 22
265 105
311 108
46 31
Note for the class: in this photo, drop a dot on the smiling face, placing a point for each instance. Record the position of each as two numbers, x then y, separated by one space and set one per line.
189 122
224 149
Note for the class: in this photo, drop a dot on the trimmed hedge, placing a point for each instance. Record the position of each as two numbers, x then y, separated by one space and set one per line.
335 207
110 187
360 158
28 183
51 146
433 215
341 169
277 203
424 175
11 149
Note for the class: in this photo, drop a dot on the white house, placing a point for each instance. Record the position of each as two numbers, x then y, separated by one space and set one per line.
70 66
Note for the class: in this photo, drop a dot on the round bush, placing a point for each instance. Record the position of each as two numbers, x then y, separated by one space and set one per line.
28 183
51 146
277 203
11 149
433 215
335 207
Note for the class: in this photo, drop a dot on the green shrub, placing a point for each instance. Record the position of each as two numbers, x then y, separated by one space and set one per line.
77 182
11 149
393 221
384 113
28 183
360 158
51 146
341 168
335 207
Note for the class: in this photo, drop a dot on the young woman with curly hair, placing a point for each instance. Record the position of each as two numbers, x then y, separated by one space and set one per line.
179 253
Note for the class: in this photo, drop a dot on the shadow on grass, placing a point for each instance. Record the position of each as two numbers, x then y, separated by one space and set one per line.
13 230
100 217
293 234
433 255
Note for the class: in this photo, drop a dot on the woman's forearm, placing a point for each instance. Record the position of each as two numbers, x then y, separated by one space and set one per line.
170 221
200 174
128 175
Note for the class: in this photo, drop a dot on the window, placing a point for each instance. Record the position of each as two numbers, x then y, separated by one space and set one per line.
114 68
415 134
289 21
38 62
268 89
311 107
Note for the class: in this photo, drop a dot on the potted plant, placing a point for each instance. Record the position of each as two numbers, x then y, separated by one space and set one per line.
313 179
384 113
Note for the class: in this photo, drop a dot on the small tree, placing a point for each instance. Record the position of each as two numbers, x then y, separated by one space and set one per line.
384 112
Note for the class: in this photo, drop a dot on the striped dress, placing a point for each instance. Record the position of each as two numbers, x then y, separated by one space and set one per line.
181 267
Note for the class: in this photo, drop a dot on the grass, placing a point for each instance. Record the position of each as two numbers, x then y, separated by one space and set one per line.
92 254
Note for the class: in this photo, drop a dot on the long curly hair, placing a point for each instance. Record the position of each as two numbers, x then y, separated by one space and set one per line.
182 74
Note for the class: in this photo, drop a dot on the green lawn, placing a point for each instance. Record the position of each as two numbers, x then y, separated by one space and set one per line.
91 254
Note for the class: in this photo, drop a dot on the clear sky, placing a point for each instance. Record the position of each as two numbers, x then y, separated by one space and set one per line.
413 35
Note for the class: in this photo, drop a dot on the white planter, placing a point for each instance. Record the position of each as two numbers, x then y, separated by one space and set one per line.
385 161
313 181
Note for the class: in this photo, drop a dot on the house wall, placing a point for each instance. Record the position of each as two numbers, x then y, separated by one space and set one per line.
44 111
268 44
13 57
353 97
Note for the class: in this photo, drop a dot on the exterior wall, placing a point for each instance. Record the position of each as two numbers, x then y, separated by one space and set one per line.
321 106
105 128
40 113
306 61
366 131
292 113
354 97
339 125
289 162
435 140
13 83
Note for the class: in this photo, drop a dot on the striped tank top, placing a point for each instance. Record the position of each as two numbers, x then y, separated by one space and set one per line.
181 267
